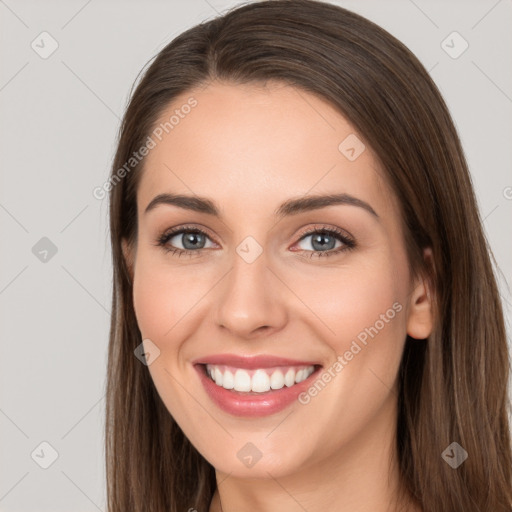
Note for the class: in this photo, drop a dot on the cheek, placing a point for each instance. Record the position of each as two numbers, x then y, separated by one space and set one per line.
162 296
349 299
151 302
362 315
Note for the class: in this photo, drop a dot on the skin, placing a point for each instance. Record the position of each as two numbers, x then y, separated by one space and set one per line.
249 148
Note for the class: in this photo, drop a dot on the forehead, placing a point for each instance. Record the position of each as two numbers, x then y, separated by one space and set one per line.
252 146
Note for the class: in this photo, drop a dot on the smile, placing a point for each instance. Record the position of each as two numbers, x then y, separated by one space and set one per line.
260 380
254 386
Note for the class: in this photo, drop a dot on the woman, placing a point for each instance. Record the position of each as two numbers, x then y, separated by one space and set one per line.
248 370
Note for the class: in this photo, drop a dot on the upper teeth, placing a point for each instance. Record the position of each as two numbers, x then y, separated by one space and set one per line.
260 380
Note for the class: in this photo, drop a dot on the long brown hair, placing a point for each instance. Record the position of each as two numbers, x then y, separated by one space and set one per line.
453 386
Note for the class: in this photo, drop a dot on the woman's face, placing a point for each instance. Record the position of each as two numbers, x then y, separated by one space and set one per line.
271 280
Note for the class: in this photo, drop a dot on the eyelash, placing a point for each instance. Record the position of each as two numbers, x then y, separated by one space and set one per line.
348 242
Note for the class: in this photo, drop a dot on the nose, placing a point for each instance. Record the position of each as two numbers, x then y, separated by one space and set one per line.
251 299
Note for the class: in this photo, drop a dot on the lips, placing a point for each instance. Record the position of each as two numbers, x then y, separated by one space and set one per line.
250 403
253 362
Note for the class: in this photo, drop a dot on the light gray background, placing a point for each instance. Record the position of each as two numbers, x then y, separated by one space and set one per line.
59 120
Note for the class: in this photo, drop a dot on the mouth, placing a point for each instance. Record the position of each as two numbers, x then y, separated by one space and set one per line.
257 381
255 386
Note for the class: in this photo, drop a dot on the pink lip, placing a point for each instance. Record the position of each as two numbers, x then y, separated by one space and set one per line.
253 404
252 362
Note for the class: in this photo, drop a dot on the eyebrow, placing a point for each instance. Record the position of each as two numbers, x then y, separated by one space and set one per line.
292 206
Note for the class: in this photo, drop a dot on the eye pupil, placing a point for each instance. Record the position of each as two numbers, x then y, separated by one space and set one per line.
320 238
192 238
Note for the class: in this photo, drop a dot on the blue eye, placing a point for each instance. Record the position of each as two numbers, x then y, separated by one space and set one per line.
322 237
194 240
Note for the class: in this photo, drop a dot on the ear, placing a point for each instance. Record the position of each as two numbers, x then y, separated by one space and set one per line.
128 256
420 321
